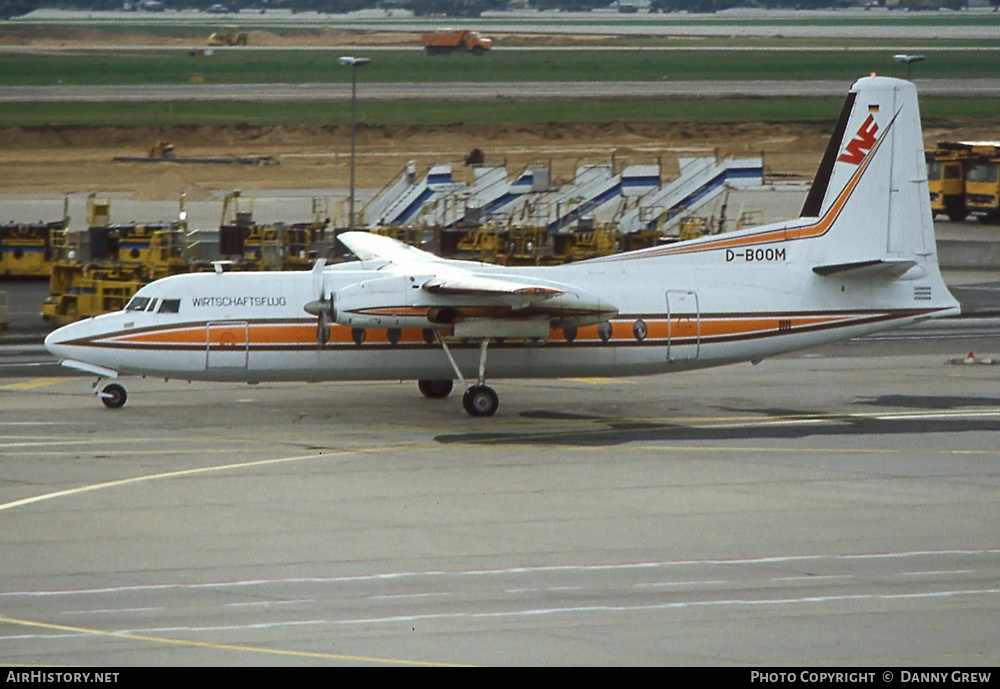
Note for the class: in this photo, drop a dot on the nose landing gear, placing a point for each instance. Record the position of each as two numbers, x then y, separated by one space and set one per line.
113 396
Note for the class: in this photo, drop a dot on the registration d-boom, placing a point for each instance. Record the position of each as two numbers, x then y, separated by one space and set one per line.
861 258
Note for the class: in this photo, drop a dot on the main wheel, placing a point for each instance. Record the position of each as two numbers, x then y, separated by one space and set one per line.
480 400
113 396
435 389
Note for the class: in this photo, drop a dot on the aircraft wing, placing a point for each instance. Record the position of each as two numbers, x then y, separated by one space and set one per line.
369 247
482 299
447 278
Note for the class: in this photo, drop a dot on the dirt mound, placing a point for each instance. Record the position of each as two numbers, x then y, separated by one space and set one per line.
59 159
168 186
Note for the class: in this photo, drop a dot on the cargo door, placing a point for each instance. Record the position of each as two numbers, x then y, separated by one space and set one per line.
227 345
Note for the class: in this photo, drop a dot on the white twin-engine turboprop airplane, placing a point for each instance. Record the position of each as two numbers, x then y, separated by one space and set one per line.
861 258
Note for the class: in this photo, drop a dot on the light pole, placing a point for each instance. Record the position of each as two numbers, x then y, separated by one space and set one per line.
908 60
353 63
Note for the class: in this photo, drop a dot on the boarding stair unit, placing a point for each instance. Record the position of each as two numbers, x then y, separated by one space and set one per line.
490 194
399 203
699 182
594 189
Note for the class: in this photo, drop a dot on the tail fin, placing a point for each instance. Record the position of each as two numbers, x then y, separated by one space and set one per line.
871 189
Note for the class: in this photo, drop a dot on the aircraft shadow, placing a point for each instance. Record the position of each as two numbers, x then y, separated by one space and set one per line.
771 425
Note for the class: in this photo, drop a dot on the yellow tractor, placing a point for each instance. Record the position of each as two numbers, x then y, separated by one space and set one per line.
228 36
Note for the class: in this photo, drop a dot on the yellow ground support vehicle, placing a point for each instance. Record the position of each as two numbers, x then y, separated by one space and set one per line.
228 36
123 259
946 170
275 246
25 248
586 240
964 179
982 182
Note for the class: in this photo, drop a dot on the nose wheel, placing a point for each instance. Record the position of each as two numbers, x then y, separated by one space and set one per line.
113 396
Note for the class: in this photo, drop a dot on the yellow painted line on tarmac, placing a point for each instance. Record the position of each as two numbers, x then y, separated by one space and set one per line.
222 647
208 470
36 383
134 453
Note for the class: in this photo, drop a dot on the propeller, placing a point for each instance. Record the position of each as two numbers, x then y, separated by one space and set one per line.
323 308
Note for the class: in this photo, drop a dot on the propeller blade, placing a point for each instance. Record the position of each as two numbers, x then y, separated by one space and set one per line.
322 329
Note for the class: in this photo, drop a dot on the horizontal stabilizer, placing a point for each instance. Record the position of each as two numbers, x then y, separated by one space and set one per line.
880 267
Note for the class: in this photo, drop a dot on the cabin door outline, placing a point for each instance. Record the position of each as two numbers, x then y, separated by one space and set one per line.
683 325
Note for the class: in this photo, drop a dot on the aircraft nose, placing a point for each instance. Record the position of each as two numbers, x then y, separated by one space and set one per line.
55 341
52 341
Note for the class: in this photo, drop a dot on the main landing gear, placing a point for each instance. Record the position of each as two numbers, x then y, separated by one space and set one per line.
479 399
435 389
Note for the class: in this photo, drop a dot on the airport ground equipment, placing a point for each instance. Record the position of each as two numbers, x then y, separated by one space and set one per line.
490 194
947 167
700 180
25 248
123 258
400 203
99 270
270 246
228 36
982 182
963 179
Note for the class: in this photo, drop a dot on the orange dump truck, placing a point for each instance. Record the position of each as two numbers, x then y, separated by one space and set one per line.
446 41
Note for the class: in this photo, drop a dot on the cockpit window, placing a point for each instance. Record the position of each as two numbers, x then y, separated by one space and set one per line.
170 306
137 304
152 305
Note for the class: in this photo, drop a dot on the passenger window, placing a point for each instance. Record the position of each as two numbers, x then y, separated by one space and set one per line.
170 306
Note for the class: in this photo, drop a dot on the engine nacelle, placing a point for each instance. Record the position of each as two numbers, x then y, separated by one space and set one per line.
390 302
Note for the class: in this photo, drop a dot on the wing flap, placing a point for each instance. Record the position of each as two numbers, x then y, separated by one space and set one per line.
470 285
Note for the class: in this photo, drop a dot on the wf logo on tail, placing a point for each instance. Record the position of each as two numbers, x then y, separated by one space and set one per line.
861 143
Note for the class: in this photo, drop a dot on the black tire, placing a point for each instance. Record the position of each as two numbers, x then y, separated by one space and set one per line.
114 396
435 389
480 400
